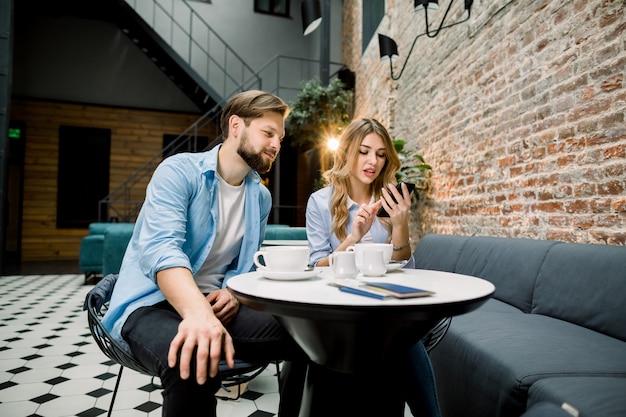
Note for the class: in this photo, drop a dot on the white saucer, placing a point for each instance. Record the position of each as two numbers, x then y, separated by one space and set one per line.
396 265
287 275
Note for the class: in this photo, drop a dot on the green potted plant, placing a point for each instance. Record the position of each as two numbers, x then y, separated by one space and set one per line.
319 112
413 169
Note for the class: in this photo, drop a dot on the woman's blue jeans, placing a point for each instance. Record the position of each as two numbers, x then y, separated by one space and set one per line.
419 383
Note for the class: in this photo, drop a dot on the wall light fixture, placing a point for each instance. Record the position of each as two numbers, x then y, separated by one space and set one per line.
388 48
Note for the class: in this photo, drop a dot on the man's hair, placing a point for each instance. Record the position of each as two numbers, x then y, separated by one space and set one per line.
250 105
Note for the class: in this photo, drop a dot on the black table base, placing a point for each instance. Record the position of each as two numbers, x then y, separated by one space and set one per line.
356 365
328 393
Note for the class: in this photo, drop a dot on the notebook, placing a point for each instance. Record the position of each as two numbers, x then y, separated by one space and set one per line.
380 290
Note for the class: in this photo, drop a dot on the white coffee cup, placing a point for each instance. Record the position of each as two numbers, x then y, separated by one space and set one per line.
386 248
373 264
283 258
343 264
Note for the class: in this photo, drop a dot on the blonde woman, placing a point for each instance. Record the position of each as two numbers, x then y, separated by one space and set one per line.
361 181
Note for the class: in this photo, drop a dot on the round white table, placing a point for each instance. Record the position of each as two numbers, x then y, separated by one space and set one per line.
356 339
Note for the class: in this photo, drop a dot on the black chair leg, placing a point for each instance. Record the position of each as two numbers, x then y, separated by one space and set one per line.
117 385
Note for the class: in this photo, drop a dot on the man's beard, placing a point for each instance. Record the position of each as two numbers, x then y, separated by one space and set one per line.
256 161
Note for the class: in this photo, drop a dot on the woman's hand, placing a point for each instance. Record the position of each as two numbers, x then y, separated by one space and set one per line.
363 220
398 211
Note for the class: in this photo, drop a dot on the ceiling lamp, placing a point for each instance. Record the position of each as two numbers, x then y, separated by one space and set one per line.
311 15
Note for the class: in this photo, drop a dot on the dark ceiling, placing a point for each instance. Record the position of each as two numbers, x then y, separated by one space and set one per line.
90 9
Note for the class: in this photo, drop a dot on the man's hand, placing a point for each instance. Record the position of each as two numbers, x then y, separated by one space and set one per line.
224 303
200 330
209 336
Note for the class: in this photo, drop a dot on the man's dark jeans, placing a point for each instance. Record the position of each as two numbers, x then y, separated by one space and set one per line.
257 337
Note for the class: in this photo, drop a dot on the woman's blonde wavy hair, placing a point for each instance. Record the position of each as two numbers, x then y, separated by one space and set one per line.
346 156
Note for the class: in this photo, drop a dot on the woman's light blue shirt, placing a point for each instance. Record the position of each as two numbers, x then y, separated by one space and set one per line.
322 242
176 228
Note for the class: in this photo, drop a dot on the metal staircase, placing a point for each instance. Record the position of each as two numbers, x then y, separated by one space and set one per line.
161 33
185 48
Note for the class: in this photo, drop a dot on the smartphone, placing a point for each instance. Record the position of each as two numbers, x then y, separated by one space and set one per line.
410 186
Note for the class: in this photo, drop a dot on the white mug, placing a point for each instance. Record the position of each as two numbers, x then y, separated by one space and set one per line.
386 248
283 258
343 264
373 264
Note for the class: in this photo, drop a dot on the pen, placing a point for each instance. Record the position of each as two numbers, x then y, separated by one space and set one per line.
363 293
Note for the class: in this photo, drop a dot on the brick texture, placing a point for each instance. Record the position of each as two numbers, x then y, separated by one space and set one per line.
520 111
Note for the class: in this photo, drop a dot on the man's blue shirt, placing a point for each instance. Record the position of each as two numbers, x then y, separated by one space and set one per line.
176 228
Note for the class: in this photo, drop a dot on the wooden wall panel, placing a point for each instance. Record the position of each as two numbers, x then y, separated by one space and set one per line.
136 137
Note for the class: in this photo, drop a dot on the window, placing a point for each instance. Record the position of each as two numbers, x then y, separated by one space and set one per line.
373 12
83 176
275 7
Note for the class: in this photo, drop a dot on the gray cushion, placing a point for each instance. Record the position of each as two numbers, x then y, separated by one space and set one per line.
546 409
586 285
591 396
439 252
497 306
499 356
511 264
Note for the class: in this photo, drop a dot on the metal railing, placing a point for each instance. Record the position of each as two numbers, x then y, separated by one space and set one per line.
282 76
197 44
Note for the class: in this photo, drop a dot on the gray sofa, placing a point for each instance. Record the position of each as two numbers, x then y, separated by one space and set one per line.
554 330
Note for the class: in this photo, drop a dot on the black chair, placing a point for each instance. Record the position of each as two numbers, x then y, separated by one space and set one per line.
434 336
96 303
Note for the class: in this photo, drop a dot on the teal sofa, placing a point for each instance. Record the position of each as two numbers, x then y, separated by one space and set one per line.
116 240
102 250
90 252
284 232
91 259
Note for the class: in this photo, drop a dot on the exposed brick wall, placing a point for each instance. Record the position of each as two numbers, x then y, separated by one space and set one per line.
520 112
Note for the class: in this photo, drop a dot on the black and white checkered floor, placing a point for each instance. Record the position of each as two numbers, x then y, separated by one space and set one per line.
50 365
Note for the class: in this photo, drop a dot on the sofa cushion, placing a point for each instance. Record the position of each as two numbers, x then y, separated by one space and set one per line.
497 306
98 228
501 354
586 285
90 253
595 396
511 264
116 240
439 252
546 409
285 233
